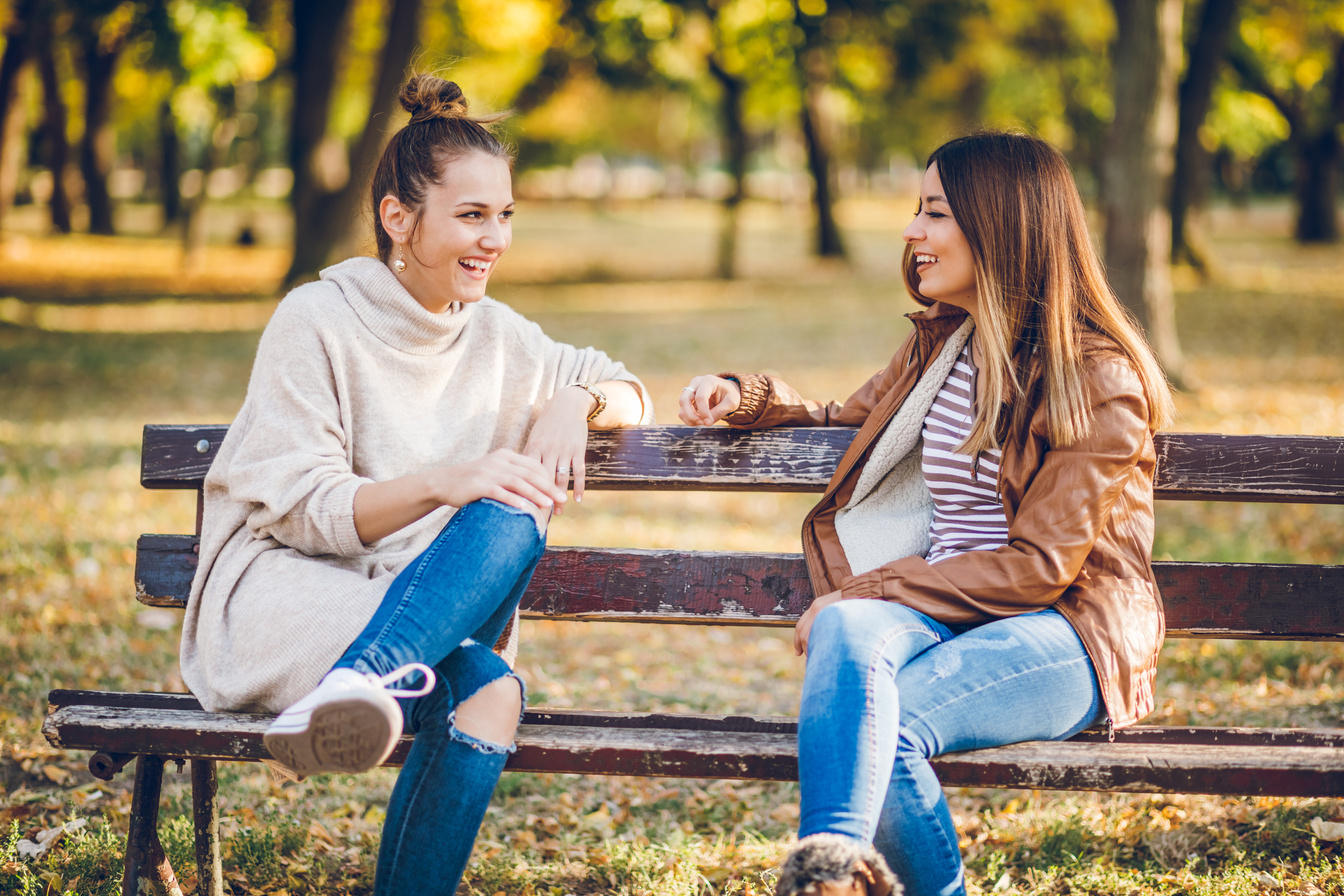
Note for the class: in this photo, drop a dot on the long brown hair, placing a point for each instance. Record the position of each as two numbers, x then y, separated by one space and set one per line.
440 130
1041 287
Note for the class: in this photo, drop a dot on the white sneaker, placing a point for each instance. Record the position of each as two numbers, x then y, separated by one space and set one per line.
349 723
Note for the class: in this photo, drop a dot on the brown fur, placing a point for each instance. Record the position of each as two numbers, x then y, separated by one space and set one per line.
822 858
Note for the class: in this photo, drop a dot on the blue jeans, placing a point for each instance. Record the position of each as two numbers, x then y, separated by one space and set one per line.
887 688
447 609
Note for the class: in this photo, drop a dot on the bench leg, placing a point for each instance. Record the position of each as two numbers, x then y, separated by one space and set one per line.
205 808
147 868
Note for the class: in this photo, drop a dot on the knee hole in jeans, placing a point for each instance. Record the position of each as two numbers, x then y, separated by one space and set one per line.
541 516
491 715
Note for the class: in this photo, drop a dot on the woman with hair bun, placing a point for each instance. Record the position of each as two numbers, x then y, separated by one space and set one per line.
377 508
981 557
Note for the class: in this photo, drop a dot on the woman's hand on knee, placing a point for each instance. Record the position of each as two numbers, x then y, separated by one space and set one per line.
707 400
503 475
382 508
803 630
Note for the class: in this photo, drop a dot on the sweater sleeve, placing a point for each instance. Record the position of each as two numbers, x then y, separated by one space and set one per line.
1059 519
566 365
291 466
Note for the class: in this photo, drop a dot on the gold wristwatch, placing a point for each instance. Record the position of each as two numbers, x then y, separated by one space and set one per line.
597 394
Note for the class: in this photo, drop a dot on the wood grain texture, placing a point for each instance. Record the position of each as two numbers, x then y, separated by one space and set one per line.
1236 768
1222 600
1191 466
691 721
1284 469
1202 600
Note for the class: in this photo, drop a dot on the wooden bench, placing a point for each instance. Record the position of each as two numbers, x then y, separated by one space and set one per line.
1202 600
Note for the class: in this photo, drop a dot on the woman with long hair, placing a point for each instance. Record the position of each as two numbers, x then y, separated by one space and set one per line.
378 506
981 557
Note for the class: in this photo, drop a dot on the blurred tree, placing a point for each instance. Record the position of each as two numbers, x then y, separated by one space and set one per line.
1292 53
18 32
1205 47
55 140
1137 165
853 52
217 57
734 133
816 62
328 174
102 28
170 165
1042 65
732 60
657 45
815 72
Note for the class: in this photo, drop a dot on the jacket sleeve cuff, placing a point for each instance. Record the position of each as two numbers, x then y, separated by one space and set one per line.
866 586
755 395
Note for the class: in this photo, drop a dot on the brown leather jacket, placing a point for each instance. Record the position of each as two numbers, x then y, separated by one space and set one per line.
1080 518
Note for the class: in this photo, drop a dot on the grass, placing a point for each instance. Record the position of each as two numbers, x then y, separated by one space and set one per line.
78 380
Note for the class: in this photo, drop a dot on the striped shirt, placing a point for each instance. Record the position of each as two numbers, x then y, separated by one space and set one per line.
967 512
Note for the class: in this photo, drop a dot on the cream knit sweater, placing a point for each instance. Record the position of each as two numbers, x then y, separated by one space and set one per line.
354 382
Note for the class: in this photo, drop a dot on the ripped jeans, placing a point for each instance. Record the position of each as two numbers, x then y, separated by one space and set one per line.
887 688
447 609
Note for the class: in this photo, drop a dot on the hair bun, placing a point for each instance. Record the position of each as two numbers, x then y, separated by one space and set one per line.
428 97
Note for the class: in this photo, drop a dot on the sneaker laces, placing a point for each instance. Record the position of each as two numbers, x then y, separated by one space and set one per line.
398 674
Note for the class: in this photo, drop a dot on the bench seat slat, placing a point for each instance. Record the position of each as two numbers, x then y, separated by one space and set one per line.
1202 600
1191 466
1136 766
599 718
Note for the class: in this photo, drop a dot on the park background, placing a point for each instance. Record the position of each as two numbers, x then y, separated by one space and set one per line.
702 184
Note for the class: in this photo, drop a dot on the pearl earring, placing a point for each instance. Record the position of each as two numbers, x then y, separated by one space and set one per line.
399 265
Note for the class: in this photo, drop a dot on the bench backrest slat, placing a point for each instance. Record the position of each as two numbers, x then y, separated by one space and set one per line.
1202 600
1191 466
1215 600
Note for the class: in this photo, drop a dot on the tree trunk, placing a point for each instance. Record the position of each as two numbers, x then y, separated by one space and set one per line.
1318 164
1189 182
53 128
325 210
734 137
170 166
1317 188
18 45
829 243
1137 166
317 25
12 129
213 156
811 65
99 144
1314 140
555 68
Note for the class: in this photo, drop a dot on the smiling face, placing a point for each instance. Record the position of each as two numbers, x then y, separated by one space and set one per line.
944 263
464 227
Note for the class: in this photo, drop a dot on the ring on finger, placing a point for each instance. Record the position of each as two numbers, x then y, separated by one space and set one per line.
562 469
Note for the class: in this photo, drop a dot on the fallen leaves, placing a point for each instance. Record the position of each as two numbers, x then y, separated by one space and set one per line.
68 469
45 840
1327 830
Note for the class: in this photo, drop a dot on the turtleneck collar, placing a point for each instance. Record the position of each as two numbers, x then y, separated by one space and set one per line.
391 313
